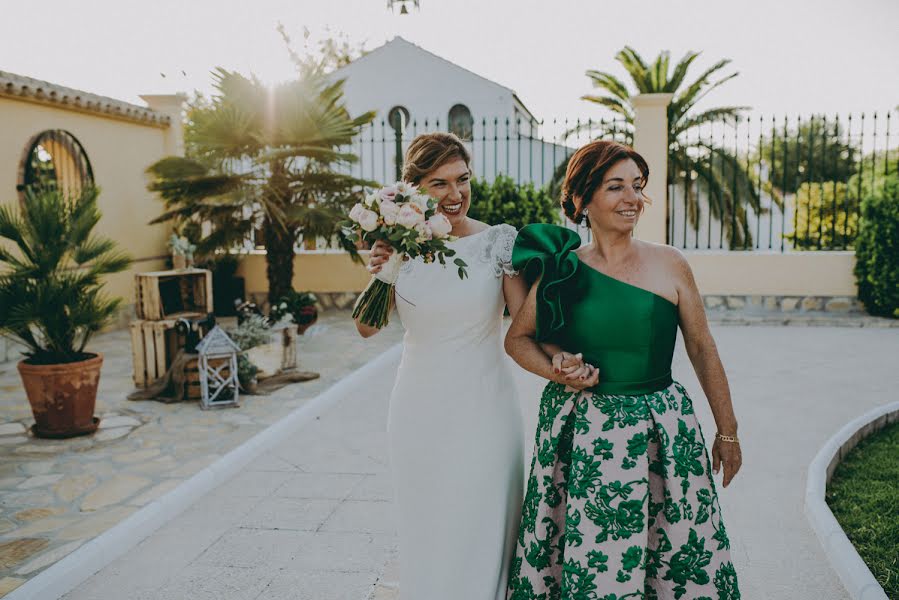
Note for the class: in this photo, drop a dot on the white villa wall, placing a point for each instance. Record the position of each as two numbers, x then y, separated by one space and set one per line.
401 73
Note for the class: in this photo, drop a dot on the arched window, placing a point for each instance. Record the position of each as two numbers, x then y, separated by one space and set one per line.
54 158
398 118
460 121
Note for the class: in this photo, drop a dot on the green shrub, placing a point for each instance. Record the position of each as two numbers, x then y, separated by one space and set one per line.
254 331
825 216
505 201
877 250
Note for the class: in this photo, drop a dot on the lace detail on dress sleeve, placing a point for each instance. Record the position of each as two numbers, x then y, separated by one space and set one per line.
500 249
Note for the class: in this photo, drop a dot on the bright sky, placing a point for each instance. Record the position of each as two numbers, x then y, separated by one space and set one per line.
794 56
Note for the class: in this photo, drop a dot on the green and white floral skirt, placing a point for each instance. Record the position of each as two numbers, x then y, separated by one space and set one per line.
621 503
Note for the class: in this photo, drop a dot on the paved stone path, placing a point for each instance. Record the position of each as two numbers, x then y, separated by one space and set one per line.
312 518
55 495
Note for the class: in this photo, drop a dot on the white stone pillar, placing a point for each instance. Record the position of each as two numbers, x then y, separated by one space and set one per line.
651 141
171 105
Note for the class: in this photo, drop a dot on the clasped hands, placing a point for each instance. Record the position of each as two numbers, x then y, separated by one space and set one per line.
571 371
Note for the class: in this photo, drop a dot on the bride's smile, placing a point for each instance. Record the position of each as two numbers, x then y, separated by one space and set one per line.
451 209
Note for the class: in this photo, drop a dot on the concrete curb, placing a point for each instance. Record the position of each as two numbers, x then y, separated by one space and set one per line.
74 569
844 559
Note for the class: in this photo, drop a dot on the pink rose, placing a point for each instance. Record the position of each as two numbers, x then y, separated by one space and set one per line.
388 193
440 225
355 212
368 219
424 232
389 210
410 215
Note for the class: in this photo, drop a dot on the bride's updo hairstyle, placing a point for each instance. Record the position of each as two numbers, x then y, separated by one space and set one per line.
586 170
430 151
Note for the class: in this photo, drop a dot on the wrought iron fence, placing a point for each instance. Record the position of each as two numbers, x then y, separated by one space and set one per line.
762 183
528 151
782 184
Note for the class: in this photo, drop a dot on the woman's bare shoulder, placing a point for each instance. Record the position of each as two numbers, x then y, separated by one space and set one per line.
669 258
664 254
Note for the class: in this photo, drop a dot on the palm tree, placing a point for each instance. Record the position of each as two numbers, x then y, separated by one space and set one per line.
691 158
51 286
265 157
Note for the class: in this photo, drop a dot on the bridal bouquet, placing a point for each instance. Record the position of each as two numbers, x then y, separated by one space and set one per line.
407 219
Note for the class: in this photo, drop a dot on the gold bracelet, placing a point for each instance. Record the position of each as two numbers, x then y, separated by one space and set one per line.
727 438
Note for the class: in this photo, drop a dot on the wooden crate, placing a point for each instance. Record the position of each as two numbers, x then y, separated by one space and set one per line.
153 346
171 294
192 389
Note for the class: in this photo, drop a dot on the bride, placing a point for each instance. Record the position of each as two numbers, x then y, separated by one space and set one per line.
455 431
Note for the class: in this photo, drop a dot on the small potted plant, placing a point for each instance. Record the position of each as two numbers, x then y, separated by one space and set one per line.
182 252
297 306
253 331
51 301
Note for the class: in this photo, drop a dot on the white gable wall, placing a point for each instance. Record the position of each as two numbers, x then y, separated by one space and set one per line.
400 73
403 74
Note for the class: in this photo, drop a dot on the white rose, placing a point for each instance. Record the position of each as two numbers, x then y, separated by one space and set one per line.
355 212
421 200
389 210
372 199
368 220
440 225
410 215
424 232
404 189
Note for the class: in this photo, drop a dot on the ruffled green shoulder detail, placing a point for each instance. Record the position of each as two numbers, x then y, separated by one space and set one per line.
546 252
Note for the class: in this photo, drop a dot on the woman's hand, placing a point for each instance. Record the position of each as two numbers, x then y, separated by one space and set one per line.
573 372
380 254
728 453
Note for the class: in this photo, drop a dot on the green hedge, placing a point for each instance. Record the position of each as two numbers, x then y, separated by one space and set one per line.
505 201
877 250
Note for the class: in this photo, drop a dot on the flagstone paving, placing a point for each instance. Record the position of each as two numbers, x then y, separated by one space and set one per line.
55 495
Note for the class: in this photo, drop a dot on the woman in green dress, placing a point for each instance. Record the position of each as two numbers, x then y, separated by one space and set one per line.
620 502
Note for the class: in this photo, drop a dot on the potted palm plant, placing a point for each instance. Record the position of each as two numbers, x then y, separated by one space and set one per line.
51 300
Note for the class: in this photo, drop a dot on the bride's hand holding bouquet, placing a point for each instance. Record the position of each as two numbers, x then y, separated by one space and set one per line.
404 218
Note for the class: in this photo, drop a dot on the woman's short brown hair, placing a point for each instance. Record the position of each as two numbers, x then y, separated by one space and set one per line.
586 170
430 151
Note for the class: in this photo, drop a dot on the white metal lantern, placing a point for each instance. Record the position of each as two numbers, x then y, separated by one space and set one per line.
218 370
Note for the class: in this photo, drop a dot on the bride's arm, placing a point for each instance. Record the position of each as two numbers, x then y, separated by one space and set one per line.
380 253
522 346
515 292
367 331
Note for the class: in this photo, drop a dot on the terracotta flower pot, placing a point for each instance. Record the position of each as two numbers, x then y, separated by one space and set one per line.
62 396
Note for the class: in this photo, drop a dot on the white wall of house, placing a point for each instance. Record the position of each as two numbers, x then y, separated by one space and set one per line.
400 73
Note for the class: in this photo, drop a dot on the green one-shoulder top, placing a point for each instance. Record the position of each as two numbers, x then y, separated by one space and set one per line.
626 331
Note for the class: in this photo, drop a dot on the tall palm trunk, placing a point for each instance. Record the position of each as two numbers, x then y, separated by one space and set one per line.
279 245
279 236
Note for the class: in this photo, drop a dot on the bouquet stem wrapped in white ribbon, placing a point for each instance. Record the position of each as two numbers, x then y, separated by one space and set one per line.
404 217
376 302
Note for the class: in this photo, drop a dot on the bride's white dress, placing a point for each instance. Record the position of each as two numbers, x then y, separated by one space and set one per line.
455 431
